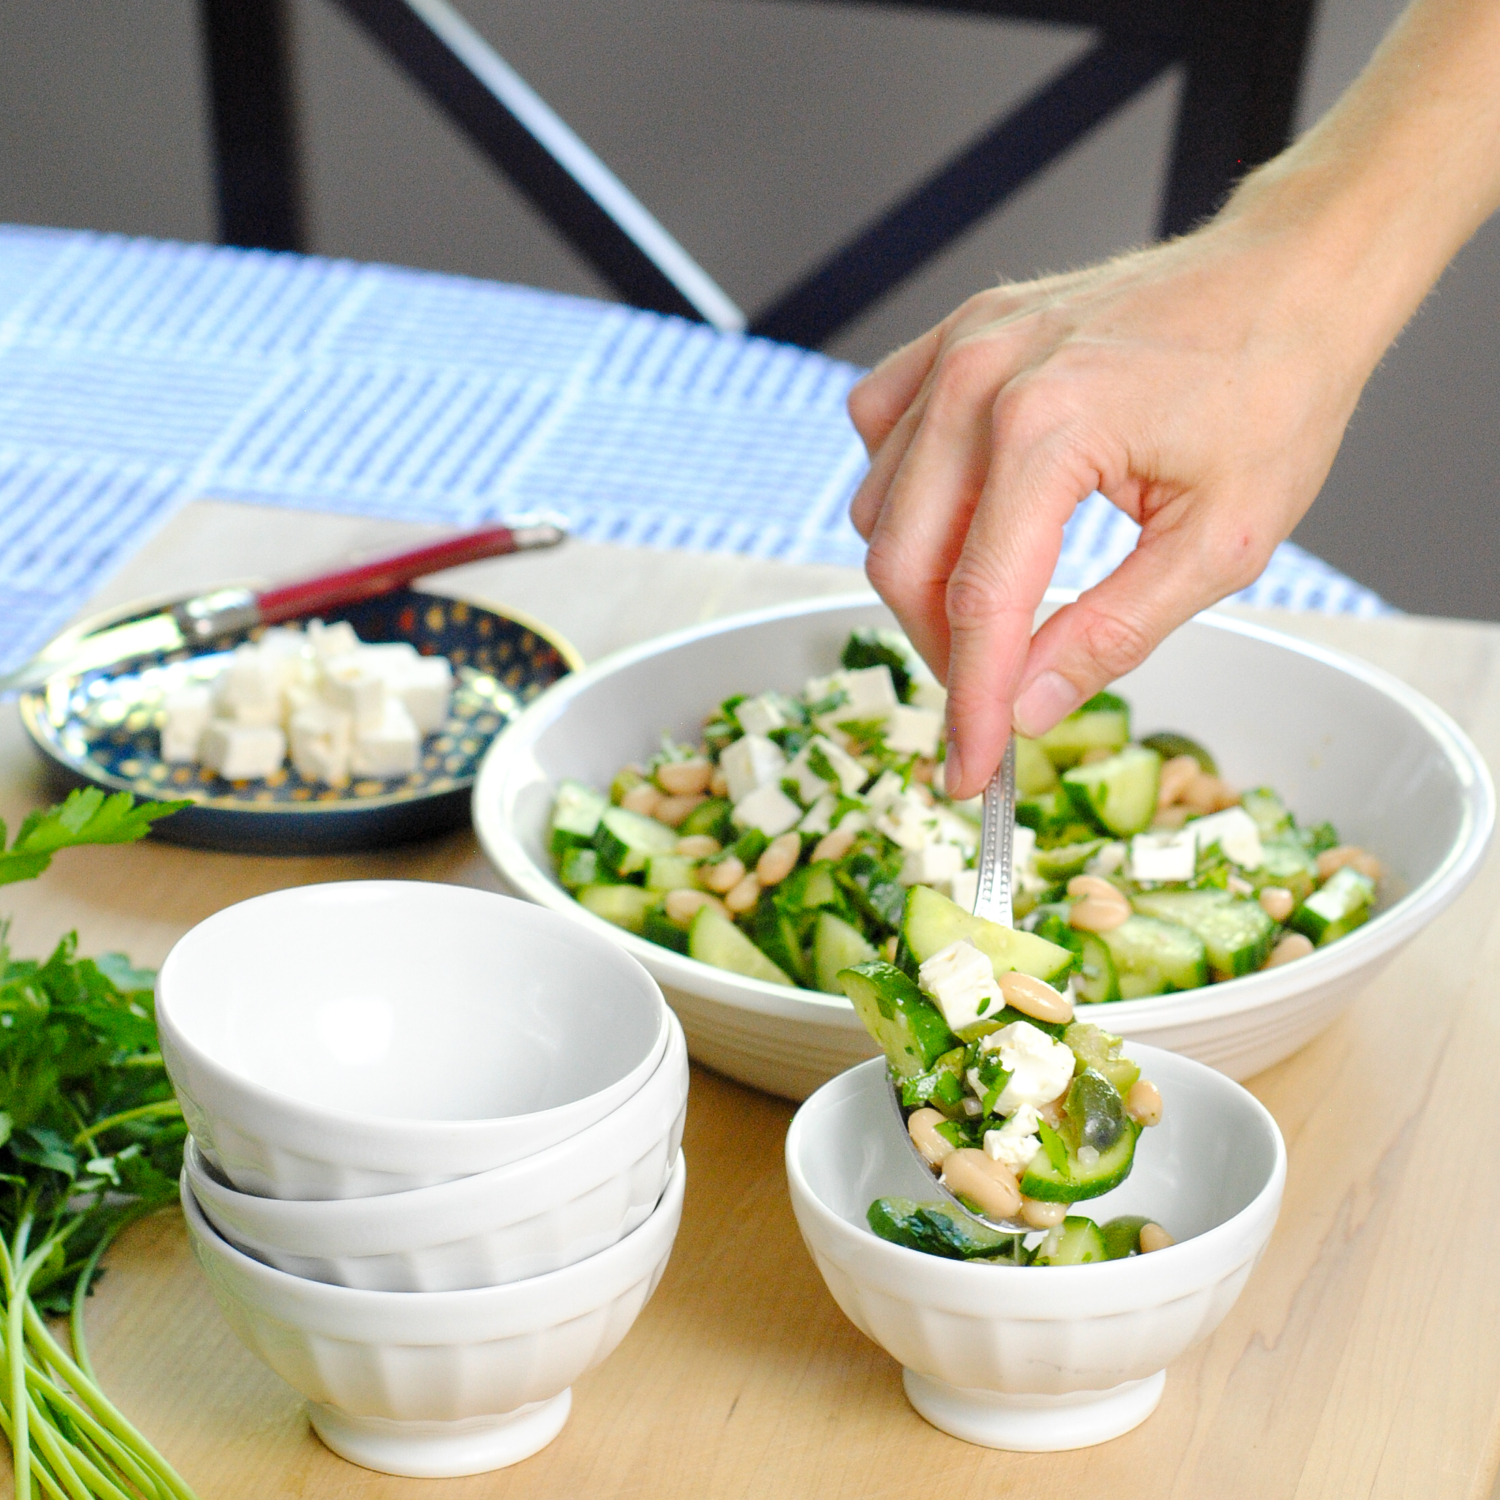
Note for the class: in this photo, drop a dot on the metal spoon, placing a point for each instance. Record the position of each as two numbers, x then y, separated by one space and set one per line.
992 901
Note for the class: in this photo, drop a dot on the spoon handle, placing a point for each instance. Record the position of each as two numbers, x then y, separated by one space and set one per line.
997 832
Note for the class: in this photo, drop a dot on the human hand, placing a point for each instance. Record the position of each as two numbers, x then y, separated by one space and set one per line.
1203 386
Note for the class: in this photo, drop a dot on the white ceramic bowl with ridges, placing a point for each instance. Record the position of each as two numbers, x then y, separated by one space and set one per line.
368 1037
1039 1358
434 1384
1340 740
537 1215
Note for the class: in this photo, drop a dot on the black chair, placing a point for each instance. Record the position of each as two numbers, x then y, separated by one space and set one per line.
1242 61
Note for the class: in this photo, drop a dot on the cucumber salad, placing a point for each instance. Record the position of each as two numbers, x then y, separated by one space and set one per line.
1019 1108
795 838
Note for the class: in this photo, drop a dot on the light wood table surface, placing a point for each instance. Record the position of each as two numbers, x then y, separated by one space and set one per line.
1362 1360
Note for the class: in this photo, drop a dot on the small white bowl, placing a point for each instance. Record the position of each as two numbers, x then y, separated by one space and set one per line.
1339 739
438 1384
537 1215
347 1040
1036 1358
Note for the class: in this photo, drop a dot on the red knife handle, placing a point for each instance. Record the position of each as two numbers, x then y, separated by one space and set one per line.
288 601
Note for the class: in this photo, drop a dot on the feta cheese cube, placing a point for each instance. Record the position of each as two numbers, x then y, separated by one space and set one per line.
868 693
187 711
887 788
961 982
1016 1141
1040 1068
751 761
928 692
760 715
1022 846
329 642
913 731
1164 856
1234 831
358 688
932 865
322 741
950 828
818 754
909 822
963 889
1109 859
388 657
425 685
248 691
767 808
242 752
819 819
390 747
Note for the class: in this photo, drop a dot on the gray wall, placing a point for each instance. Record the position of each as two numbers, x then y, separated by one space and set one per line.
761 133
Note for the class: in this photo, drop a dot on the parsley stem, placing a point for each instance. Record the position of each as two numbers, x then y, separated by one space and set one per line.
162 1109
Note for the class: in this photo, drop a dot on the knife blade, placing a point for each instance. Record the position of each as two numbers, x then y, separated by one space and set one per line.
201 619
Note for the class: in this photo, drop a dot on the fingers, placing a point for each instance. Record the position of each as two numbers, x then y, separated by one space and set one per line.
877 401
997 583
1184 561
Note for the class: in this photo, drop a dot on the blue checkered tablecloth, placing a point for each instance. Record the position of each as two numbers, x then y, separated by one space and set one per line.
136 375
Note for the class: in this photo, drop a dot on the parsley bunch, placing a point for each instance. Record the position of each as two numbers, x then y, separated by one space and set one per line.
90 1139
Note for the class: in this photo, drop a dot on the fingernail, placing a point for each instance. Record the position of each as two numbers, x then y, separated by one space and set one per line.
951 764
1048 698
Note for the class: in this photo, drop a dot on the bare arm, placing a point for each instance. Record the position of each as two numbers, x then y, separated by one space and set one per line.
1203 385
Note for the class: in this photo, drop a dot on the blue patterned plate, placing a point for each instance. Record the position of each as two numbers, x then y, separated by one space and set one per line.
103 726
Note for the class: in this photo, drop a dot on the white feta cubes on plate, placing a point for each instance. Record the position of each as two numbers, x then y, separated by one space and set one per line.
760 715
186 713
913 731
1164 856
751 761
818 753
389 748
425 685
248 690
358 688
767 808
1234 831
961 982
242 752
322 743
329 642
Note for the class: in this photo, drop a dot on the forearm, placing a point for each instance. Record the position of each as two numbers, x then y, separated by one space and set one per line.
1388 186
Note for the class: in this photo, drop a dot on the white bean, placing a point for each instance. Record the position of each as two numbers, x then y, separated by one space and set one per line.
779 859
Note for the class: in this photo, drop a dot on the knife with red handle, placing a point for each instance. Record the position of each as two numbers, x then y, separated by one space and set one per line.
201 619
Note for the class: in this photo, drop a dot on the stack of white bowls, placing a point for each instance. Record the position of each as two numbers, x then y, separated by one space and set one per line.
434 1172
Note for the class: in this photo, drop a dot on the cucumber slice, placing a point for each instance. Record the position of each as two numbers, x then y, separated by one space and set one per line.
712 818
1122 1236
575 816
670 872
1035 772
1094 1112
1237 935
1066 860
580 867
1119 793
626 840
941 1086
810 888
1155 958
1272 819
910 1031
1099 1049
714 939
931 922
1168 744
624 905
1339 907
1077 1180
936 1229
1286 863
1098 982
1075 1242
778 934
837 945
1104 721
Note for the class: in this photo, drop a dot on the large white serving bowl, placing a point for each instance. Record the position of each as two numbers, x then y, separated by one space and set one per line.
432 1384
536 1215
1029 1357
367 1037
1340 740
